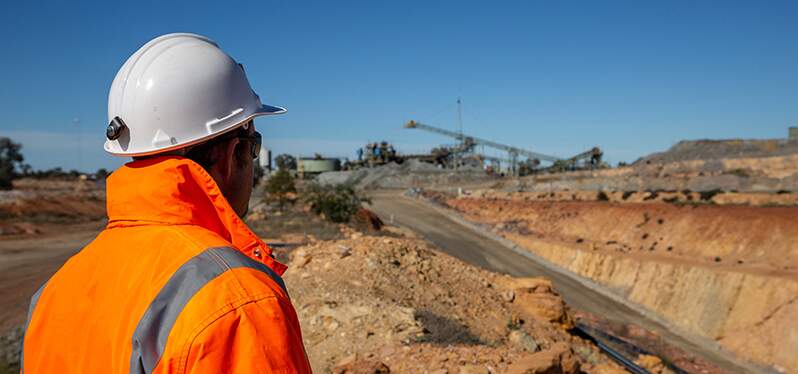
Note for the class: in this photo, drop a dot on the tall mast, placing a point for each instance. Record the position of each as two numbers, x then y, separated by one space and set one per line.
459 131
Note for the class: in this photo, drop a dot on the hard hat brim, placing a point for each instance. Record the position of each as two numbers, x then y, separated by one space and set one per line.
268 109
264 110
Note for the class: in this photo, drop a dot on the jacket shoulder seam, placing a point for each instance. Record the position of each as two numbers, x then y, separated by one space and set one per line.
212 319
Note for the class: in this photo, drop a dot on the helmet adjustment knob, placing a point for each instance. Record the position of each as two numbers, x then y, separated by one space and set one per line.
114 129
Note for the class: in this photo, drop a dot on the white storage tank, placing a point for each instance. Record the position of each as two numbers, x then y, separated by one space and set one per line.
316 165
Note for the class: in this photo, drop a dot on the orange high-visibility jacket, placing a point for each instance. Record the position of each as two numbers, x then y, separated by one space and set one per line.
176 283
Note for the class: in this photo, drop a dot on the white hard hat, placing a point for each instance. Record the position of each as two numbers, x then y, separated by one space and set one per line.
175 91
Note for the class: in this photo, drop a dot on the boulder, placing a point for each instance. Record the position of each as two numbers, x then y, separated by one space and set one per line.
559 359
535 298
652 364
523 341
370 219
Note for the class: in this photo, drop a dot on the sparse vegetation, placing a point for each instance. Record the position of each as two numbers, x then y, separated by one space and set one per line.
55 173
337 203
651 195
742 173
280 188
708 195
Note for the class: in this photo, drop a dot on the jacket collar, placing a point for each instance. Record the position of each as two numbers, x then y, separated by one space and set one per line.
173 190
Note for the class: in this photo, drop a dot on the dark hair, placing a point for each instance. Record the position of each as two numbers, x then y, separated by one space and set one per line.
203 152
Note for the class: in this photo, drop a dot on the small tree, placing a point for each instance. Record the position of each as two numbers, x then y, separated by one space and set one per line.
101 174
10 159
27 170
336 203
285 162
279 186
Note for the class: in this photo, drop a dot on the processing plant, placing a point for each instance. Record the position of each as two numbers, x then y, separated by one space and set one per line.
521 161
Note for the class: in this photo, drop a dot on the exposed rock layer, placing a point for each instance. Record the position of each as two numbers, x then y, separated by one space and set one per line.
724 273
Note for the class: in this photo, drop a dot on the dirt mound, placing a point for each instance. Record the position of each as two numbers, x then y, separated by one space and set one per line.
34 203
410 173
71 208
429 358
722 149
397 302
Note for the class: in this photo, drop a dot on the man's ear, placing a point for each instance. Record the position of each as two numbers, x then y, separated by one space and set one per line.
227 159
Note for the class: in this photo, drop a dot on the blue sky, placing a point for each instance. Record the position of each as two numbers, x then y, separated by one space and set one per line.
556 77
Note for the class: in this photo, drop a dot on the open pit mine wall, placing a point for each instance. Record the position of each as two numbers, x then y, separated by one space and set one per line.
753 316
766 174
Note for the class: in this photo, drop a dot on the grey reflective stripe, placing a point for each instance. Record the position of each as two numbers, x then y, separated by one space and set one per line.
149 338
33 301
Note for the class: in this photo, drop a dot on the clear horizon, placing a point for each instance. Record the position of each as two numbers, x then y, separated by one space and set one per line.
556 78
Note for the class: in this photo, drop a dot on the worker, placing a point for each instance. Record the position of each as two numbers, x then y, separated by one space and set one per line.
176 282
360 154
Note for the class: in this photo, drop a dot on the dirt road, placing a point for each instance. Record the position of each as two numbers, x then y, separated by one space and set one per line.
475 248
26 263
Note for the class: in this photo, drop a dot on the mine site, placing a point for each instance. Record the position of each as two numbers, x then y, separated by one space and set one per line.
374 187
683 261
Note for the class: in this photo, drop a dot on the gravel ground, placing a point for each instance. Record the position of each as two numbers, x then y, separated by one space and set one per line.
722 149
411 173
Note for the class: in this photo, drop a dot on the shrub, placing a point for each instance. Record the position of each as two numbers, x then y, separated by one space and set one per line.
337 203
280 187
742 173
651 195
708 195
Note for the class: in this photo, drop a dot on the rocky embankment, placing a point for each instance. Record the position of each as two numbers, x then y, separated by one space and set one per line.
378 304
722 149
411 173
724 273
755 174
